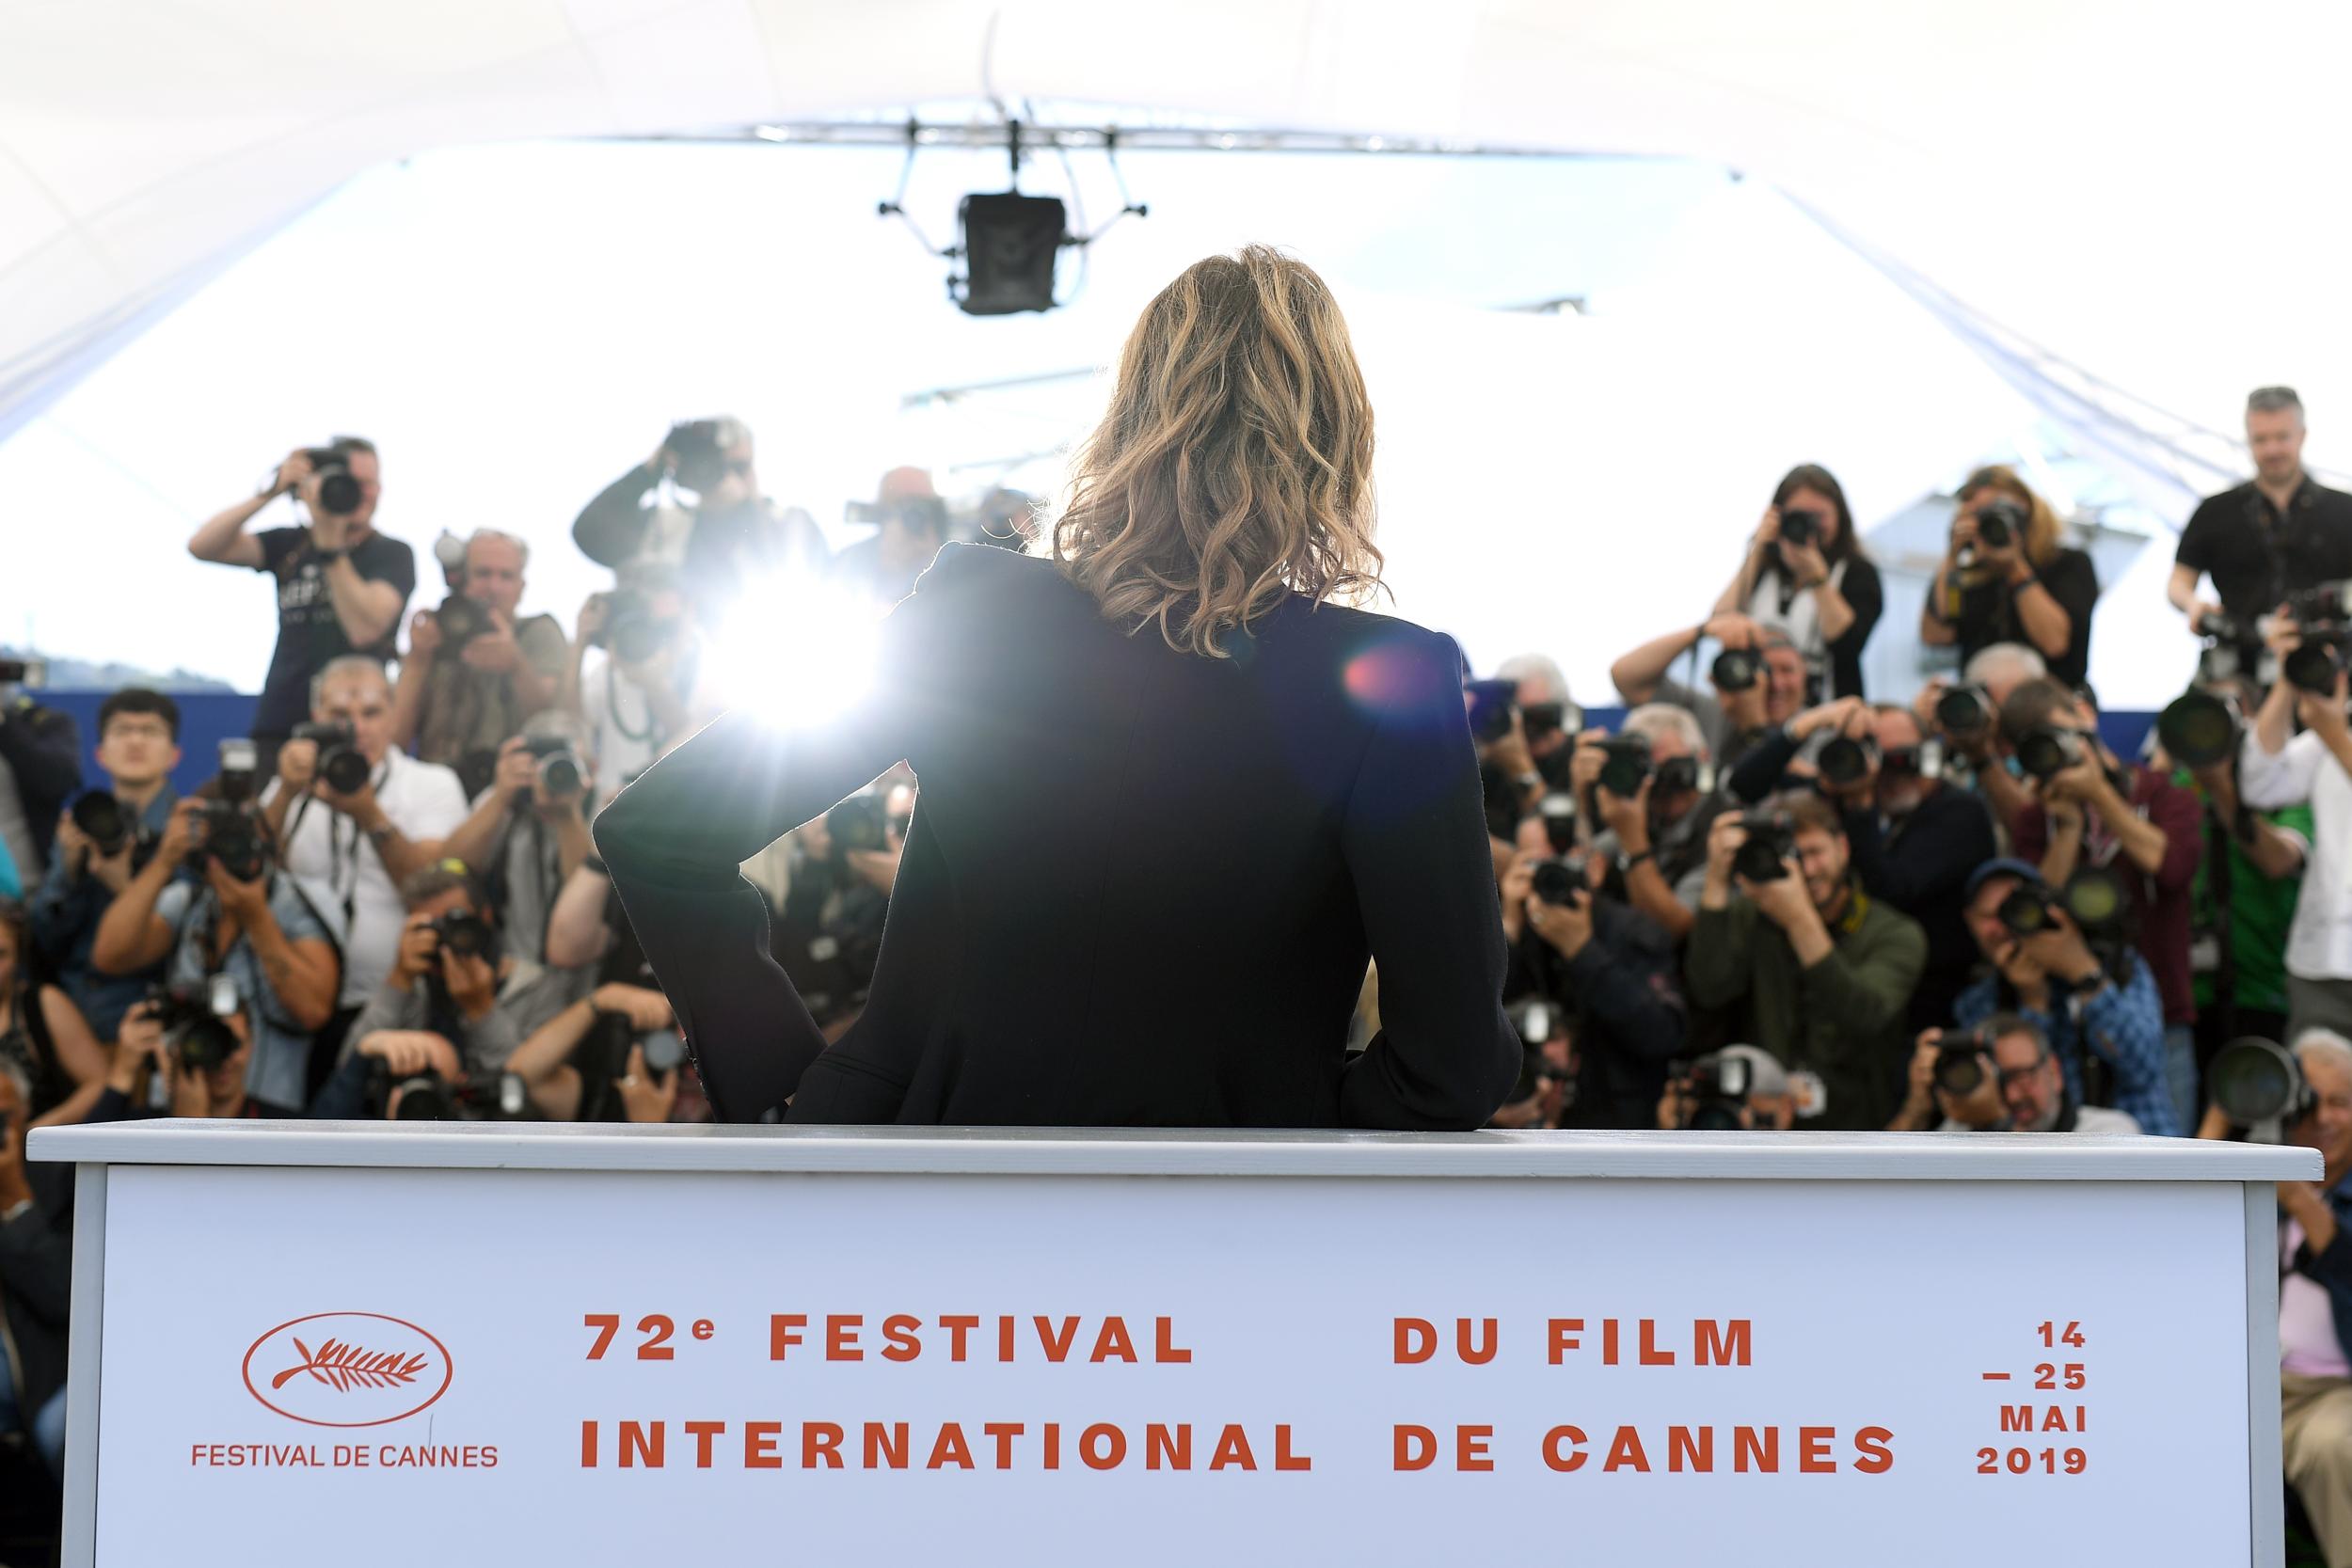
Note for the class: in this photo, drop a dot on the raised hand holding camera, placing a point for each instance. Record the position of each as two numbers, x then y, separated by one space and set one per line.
494 651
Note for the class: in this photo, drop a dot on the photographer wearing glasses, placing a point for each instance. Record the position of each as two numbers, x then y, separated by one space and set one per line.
341 584
1653 788
2000 1077
2006 578
476 668
718 536
1757 674
1804 575
2279 533
1820 972
909 524
2092 1006
240 929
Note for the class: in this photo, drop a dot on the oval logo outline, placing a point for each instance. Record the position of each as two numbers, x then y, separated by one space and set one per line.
449 1368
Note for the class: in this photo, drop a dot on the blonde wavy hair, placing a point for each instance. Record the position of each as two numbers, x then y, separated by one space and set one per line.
2044 537
1234 463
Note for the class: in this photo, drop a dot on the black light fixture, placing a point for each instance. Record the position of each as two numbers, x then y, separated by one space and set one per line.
1009 244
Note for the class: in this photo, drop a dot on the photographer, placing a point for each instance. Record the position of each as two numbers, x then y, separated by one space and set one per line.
357 815
1758 679
2276 768
43 1034
449 980
474 671
2279 533
638 678
732 536
1657 812
2090 1007
1697 1100
1606 974
528 832
2006 578
139 745
36 1280
1549 720
909 524
2000 1076
240 915
1967 719
40 766
579 1048
1824 971
826 931
1805 576
341 584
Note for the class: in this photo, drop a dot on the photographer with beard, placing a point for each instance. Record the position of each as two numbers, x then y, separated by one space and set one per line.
732 536
1654 837
341 584
474 669
1822 973
2007 578
1804 575
1757 674
1604 975
2017 1085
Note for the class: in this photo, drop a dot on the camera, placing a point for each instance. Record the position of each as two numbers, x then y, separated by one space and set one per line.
631 631
1960 1062
195 1019
1558 883
1799 525
478 1097
1718 1094
467 935
24 672
2046 752
1770 842
2316 664
1846 761
2256 1080
232 833
2218 626
2094 897
1626 766
240 765
560 773
1966 710
1558 811
339 491
1737 670
341 764
2000 523
700 459
2200 729
461 620
1923 761
1542 718
110 829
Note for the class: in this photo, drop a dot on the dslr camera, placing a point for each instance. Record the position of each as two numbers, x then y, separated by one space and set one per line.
194 1018
2046 752
1716 1096
2200 729
232 833
632 631
340 763
339 491
1770 842
2321 615
1846 761
1999 524
1963 1060
1799 526
2257 1081
561 777
1737 670
465 934
1966 712
860 823
477 1097
110 829
1558 883
461 620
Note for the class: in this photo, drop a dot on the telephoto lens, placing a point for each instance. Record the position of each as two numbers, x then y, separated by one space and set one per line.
1960 1063
2200 729
2044 753
2027 913
102 821
1556 884
2256 1080
2095 897
1737 669
339 492
560 773
461 620
1965 710
2313 666
1846 761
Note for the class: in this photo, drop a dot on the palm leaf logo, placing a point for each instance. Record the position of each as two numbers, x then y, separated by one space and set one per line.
343 1368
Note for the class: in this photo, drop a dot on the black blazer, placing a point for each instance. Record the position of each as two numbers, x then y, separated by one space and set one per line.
1140 888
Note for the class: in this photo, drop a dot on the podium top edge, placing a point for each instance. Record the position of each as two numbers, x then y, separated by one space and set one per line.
1129 1151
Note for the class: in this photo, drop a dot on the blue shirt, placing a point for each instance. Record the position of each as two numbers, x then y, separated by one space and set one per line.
65 911
278 1070
2123 1025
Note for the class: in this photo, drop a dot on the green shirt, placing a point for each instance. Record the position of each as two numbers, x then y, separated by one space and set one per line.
2261 910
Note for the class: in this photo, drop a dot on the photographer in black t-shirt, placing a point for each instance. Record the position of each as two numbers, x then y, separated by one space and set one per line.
2278 533
2007 578
342 586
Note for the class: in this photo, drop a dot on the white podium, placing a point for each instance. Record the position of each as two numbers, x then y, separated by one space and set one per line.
386 1344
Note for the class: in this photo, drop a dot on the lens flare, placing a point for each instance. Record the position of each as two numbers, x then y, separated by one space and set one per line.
799 654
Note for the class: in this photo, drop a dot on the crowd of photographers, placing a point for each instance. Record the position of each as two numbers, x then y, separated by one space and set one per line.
1766 900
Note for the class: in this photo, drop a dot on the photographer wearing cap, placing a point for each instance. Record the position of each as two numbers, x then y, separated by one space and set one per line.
341 584
241 916
1804 574
639 680
2091 1006
729 534
359 816
910 525
1600 977
474 671
529 830
2278 534
2277 767
1757 674
451 980
1740 1087
1654 790
1819 970
2006 578
2090 810
103 839
2000 1077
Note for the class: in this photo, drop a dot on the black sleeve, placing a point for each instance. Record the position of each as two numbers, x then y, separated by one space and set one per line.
1939 851
675 839
1415 841
1629 988
37 1265
1761 766
393 562
39 746
2073 582
2197 539
608 529
344 1095
277 545
1863 596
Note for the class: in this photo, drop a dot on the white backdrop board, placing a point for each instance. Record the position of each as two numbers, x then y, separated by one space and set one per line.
1047 1356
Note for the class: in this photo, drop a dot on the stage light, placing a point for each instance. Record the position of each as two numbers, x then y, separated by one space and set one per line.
799 655
1009 244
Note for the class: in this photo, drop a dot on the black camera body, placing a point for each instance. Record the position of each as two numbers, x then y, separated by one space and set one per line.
195 1019
461 619
1770 842
1961 1061
700 459
1719 1090
561 776
1799 526
1967 711
1846 761
2001 523
477 1097
1737 670
111 828
341 764
2200 729
338 489
466 934
234 835
1627 767
2046 752
1559 884
2314 666
2219 626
